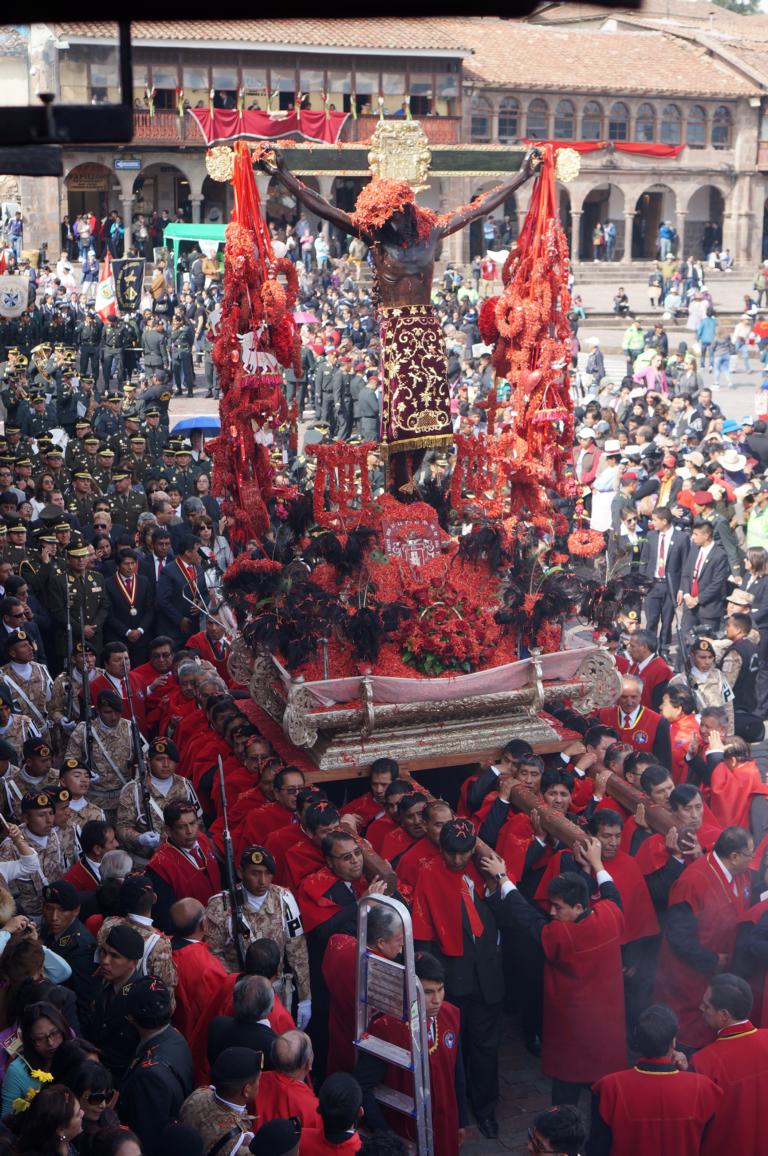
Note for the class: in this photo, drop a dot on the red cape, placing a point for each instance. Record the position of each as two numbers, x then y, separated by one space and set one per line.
201 643
731 792
199 975
378 831
183 877
737 1061
639 914
340 975
437 907
316 907
280 1097
654 1108
220 1004
261 823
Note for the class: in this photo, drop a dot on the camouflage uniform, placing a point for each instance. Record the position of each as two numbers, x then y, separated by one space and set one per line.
31 695
213 1119
57 707
74 821
157 959
111 764
55 857
20 728
278 919
15 784
131 819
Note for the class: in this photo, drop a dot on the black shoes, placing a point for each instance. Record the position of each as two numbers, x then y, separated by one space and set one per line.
488 1127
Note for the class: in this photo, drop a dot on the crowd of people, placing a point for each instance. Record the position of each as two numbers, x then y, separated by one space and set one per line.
144 1007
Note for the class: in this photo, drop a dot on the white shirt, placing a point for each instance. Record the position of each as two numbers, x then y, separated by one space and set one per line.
95 867
629 720
162 786
663 552
144 920
642 665
255 902
704 552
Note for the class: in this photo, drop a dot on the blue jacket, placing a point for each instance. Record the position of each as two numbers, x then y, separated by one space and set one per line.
706 329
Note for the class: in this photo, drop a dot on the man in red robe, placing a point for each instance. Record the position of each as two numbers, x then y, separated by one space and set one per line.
636 1111
151 678
409 813
184 866
705 905
304 855
649 666
259 825
582 971
96 838
213 647
286 1091
737 1062
446 1070
340 1107
415 859
199 973
384 937
370 806
641 727
736 793
383 825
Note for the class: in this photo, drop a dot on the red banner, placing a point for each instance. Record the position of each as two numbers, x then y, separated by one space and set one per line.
639 148
224 124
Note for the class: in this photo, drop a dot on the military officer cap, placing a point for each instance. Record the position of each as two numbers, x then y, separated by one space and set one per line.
8 753
235 1064
7 459
24 461
131 414
87 377
120 476
76 549
73 764
44 539
153 411
83 422
84 475
126 941
36 746
37 801
12 427
112 396
54 452
62 525
133 889
276 1138
183 453
109 698
161 746
106 452
84 647
90 440
138 437
149 1002
17 528
3 529
256 856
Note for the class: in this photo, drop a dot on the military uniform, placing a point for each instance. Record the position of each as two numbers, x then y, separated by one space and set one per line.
16 554
59 703
77 946
113 355
31 695
74 454
74 820
80 506
278 919
184 478
155 438
106 1025
157 959
16 783
20 728
154 347
89 334
106 424
214 1120
182 340
86 591
125 508
131 819
55 859
111 757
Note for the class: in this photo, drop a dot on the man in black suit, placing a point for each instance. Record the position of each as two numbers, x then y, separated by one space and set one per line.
152 565
704 581
131 607
661 563
253 998
176 616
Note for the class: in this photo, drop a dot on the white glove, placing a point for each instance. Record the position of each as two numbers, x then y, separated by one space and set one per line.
149 839
304 1013
68 725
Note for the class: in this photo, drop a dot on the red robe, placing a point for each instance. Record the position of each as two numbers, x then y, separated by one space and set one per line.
366 807
220 1004
302 858
186 880
280 1097
657 671
279 843
100 683
199 974
583 979
81 877
173 705
378 831
315 905
654 1108
680 733
413 862
340 975
397 843
639 915
314 1143
241 807
737 1061
261 823
441 898
642 735
730 793
717 911
653 853
442 1077
202 644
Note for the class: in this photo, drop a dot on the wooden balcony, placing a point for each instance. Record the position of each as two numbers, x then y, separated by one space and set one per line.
440 130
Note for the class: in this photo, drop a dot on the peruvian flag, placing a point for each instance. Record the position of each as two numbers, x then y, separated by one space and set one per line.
106 306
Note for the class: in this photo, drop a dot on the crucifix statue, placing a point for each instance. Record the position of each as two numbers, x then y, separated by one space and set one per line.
403 239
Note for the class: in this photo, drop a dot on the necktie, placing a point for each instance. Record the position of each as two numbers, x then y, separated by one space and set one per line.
475 922
695 579
662 551
129 585
625 721
160 565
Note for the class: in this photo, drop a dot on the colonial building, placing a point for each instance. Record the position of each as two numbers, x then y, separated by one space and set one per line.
687 75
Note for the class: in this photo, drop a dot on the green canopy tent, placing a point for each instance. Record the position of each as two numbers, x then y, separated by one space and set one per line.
183 239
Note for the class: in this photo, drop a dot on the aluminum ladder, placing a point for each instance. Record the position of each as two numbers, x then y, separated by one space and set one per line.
394 990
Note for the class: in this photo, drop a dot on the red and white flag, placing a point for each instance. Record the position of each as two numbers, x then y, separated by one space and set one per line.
106 305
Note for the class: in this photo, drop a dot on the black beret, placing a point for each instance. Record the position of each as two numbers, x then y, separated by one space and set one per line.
163 746
256 856
276 1138
126 941
149 1001
39 801
63 894
36 746
109 698
236 1064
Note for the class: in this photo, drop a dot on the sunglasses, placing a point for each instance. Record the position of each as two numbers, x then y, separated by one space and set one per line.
97 1097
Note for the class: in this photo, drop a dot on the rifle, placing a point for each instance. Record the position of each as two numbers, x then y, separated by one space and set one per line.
138 751
87 712
70 653
683 650
241 932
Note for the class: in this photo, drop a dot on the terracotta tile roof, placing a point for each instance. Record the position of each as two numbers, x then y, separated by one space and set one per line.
422 34
527 57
